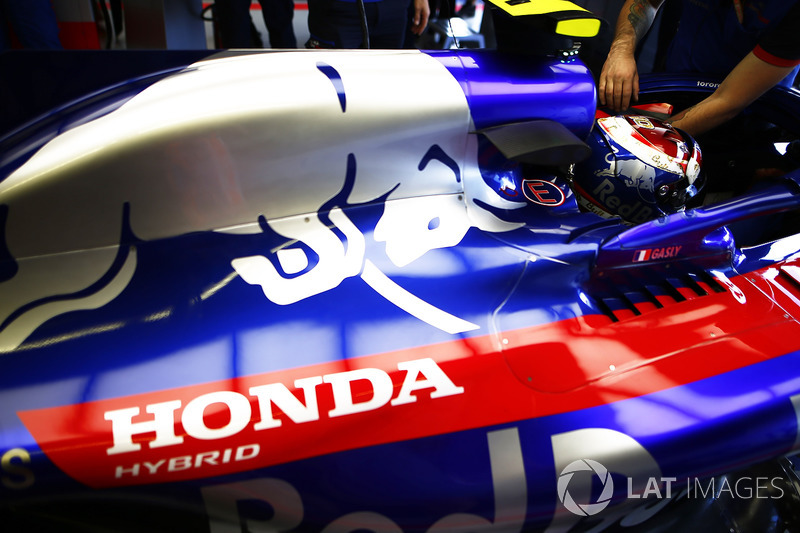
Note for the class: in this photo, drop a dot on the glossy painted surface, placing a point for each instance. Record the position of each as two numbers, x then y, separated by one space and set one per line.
514 88
286 292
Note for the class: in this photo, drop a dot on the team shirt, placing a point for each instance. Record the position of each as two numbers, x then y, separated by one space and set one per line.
714 35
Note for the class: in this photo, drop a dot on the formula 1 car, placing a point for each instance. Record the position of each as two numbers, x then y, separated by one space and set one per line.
339 291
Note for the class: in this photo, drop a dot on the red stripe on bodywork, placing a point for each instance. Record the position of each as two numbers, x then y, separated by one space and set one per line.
553 368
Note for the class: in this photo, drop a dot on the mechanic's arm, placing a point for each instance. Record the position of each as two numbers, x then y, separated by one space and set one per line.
751 78
619 80
422 10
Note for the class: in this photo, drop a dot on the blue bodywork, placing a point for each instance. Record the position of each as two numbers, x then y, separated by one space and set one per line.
187 318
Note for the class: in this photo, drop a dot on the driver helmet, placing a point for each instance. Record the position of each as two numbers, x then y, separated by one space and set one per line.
640 168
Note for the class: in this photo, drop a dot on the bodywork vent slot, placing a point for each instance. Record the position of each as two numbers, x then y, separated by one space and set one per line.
620 300
790 275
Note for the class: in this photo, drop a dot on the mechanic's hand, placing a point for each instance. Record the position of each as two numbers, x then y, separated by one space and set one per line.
619 81
421 13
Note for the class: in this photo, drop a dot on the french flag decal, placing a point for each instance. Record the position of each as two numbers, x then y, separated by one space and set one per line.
655 254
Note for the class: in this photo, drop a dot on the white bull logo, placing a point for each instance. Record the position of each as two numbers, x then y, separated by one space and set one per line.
190 154
410 228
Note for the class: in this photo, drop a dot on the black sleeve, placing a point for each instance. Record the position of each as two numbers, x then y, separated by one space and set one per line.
780 45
